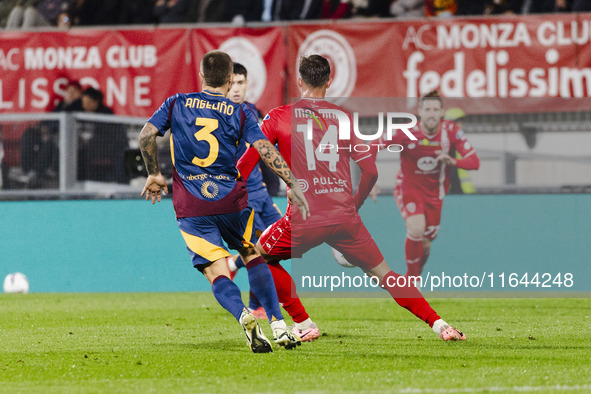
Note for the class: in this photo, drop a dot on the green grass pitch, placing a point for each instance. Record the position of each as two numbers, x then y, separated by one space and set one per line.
185 342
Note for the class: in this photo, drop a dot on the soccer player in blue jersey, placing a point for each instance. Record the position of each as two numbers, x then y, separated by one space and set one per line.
266 212
210 198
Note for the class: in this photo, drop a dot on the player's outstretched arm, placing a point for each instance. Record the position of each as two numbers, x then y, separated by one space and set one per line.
155 184
273 159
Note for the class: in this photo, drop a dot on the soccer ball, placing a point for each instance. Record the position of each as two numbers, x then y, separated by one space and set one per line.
16 283
338 256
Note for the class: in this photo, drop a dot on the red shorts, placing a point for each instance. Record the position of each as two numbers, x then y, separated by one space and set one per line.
412 202
351 239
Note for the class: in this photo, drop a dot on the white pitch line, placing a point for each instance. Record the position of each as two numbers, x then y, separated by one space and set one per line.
558 387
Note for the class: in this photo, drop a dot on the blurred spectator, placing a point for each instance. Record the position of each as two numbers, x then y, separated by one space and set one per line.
373 8
538 6
37 13
92 101
96 12
172 11
137 12
440 8
268 10
471 7
563 6
336 9
495 7
73 100
39 156
581 6
211 10
64 21
408 8
243 10
299 9
102 146
6 7
313 9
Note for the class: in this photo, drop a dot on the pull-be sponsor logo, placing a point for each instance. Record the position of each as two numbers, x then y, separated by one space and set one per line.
304 185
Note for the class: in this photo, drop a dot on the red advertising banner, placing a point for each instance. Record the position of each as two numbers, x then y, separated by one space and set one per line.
534 56
136 69
513 57
261 51
126 65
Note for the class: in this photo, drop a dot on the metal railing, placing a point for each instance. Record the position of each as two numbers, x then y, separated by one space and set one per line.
97 156
66 154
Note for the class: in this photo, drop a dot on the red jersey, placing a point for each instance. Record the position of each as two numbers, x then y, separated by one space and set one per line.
307 134
419 168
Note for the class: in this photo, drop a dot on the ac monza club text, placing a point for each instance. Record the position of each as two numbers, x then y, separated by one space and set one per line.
37 92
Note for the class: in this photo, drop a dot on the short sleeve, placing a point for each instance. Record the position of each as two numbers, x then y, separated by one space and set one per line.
161 117
269 127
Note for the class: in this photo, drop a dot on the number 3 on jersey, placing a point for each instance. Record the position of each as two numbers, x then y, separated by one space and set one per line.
327 148
204 134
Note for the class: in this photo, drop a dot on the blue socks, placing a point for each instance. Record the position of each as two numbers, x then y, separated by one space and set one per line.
228 295
262 285
253 302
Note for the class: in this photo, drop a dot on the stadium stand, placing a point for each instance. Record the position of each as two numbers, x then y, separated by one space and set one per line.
523 151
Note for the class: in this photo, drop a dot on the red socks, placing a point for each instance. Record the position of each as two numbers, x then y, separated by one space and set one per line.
286 292
409 297
413 250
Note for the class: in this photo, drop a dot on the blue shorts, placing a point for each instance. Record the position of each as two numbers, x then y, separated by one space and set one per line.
265 211
205 235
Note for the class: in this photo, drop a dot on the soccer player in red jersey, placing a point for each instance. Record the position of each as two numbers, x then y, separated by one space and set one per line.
210 197
423 179
266 213
307 133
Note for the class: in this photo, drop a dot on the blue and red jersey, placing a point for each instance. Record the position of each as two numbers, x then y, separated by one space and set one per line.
254 183
207 130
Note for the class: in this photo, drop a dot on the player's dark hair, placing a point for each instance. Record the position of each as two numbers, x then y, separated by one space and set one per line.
240 69
94 94
75 84
314 70
432 95
216 67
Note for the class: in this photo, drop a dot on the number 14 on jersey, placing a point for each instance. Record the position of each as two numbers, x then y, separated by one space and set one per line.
327 147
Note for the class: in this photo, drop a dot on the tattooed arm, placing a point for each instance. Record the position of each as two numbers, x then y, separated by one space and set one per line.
155 183
273 159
